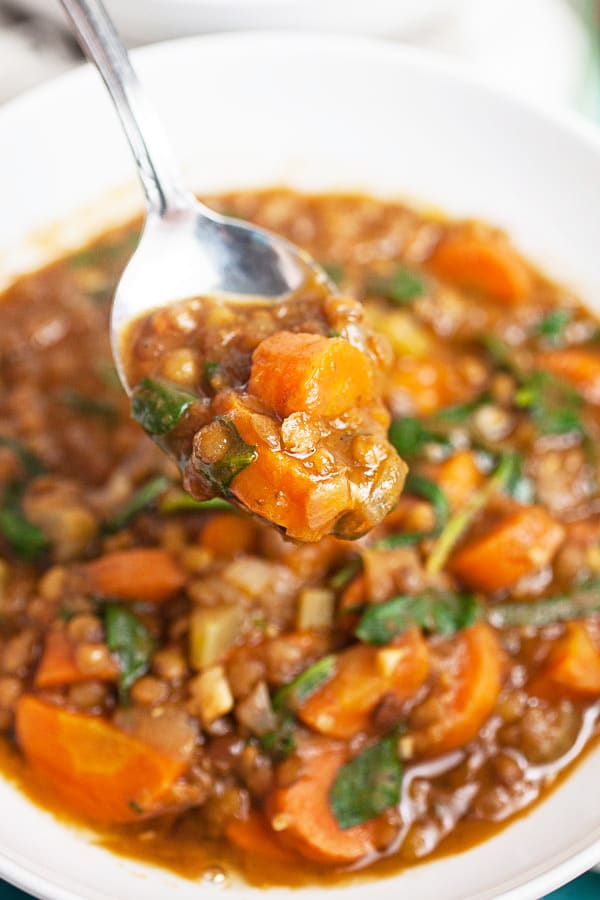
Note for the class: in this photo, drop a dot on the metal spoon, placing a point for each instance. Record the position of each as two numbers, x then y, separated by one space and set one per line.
185 249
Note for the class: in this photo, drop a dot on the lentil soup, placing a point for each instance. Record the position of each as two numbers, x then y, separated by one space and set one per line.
204 690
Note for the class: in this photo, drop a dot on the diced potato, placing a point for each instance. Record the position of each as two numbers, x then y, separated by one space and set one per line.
315 609
212 697
213 631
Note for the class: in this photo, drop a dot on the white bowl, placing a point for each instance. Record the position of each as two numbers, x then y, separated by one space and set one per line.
147 20
312 112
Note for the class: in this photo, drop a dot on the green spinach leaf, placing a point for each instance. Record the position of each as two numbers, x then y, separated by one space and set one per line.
131 641
441 613
367 785
158 405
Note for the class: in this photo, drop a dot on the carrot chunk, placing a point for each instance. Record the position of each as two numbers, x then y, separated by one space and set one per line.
227 534
573 666
140 574
254 835
364 675
58 664
522 542
458 477
578 366
302 817
422 386
282 488
488 265
463 695
310 373
98 771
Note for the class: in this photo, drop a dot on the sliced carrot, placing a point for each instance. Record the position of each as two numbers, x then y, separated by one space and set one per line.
98 771
283 489
488 265
298 372
58 664
146 573
520 543
254 835
577 365
423 386
227 534
458 477
363 676
463 695
573 666
301 815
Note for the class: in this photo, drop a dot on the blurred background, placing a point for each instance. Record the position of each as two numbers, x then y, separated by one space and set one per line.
545 49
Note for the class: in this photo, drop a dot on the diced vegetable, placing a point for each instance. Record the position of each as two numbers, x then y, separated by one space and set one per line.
520 543
315 608
213 631
255 836
58 665
130 640
158 406
302 817
298 372
98 771
150 491
462 700
212 694
367 785
402 285
440 613
461 520
427 385
487 265
342 706
458 477
144 573
573 666
580 366
279 488
227 534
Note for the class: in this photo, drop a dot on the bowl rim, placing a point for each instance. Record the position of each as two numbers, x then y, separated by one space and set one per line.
584 853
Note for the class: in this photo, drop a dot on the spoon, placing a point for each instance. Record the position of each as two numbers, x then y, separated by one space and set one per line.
186 249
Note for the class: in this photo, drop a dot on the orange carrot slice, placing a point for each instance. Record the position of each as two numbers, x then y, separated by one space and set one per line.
300 813
310 373
488 265
363 676
97 770
463 696
146 573
522 542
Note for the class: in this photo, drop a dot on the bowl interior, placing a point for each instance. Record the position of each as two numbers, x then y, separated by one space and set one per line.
314 113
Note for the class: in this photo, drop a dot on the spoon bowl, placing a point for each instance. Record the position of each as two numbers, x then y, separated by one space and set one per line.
194 252
186 250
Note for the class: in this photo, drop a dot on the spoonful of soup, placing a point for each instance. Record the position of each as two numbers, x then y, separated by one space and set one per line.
241 360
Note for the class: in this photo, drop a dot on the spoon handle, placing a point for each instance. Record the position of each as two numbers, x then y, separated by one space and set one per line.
98 38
